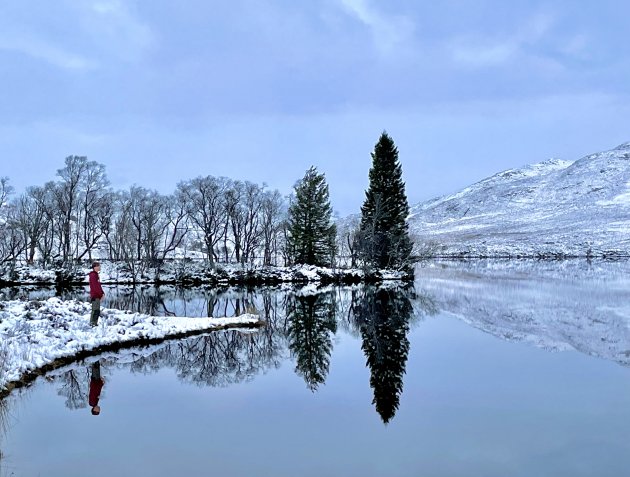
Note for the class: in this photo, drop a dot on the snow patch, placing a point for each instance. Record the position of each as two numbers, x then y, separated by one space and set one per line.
621 199
34 334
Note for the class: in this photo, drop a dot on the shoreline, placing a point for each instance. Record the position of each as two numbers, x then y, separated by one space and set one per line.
40 336
194 274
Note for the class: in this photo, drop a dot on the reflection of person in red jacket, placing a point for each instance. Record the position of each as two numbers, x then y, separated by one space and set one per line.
96 385
96 293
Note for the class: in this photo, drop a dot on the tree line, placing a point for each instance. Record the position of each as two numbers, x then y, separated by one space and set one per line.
79 216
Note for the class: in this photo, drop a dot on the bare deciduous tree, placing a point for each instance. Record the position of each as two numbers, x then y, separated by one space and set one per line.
31 219
12 242
205 204
273 213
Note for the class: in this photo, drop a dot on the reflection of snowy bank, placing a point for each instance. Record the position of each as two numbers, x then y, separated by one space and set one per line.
38 336
575 305
217 359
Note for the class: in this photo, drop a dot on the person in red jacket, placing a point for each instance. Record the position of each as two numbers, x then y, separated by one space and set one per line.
96 293
96 385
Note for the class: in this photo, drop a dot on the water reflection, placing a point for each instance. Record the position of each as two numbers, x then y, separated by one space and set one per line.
4 426
382 316
474 395
80 385
301 326
311 326
96 386
558 306
217 359
567 309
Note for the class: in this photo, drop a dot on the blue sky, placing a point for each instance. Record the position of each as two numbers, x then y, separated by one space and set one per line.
163 91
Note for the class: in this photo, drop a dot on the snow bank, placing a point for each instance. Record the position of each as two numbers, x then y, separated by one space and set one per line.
34 334
187 272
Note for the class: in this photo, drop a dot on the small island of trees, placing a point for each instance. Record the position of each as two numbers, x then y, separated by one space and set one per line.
79 217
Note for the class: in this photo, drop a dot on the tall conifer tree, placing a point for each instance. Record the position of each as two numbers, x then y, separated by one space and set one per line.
383 239
312 234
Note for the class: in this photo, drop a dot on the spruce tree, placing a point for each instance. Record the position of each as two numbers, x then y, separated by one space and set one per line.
383 239
311 238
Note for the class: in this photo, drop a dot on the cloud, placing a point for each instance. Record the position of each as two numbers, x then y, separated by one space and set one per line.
45 50
389 32
483 52
74 35
115 28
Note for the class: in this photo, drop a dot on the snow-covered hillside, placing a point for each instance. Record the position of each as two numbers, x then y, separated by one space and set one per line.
553 208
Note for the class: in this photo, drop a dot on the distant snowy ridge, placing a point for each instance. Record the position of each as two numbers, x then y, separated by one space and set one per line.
34 335
553 208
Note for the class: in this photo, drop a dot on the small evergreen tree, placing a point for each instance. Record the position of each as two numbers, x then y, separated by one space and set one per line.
383 239
311 235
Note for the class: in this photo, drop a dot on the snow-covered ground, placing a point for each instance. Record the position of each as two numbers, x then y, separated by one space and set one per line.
195 273
36 334
554 208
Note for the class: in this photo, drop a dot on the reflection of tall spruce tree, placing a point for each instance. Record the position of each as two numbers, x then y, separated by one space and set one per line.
383 318
311 327
383 238
311 234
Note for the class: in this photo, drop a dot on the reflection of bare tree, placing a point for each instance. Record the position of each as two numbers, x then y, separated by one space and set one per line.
74 384
4 416
300 321
74 387
182 301
4 424
217 359
148 300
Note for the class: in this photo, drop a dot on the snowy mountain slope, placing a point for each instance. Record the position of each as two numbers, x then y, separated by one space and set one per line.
553 208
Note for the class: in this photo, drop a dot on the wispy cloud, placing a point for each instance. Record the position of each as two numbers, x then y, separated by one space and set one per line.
98 32
481 52
389 32
45 50
115 28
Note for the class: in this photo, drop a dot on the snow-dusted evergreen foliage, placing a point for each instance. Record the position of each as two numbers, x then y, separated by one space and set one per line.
383 238
312 235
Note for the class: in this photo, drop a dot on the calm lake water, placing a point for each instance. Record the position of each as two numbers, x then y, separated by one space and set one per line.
479 369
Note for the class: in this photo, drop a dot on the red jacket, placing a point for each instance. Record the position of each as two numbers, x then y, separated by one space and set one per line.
95 391
96 291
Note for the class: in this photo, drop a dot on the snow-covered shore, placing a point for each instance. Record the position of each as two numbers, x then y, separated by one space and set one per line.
38 336
185 272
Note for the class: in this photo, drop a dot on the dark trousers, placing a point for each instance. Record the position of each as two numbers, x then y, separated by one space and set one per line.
96 311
